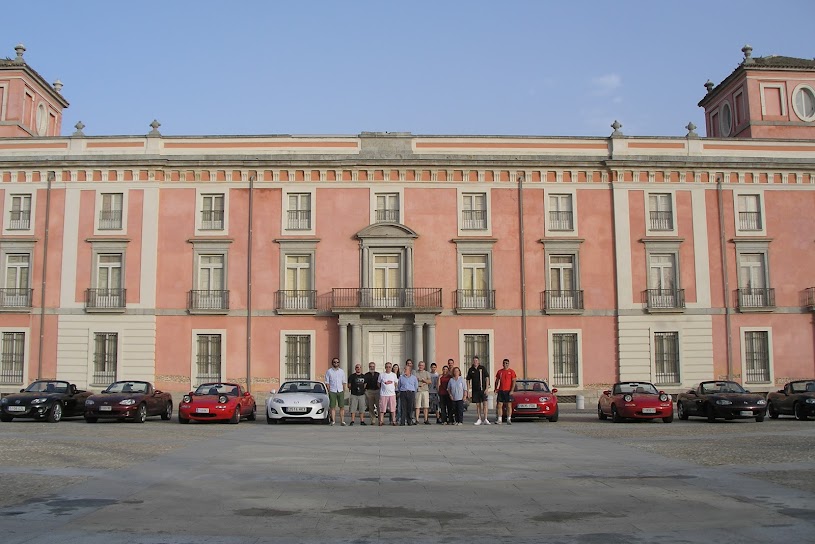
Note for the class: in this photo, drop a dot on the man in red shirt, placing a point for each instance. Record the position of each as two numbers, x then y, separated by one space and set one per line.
504 386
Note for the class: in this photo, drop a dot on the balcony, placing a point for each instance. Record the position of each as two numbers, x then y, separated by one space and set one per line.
299 220
561 220
473 219
212 220
664 300
15 299
105 300
402 300
749 220
662 220
296 302
208 302
110 220
810 298
562 302
475 300
387 216
761 299
20 220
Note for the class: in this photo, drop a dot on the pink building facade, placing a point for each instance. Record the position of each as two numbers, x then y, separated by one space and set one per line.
257 259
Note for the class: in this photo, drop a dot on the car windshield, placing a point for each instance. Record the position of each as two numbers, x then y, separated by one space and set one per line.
48 387
710 388
127 387
217 389
302 387
803 387
639 388
531 385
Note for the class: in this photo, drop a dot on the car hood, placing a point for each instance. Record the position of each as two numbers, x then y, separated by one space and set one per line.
299 398
26 398
211 399
748 398
113 398
532 395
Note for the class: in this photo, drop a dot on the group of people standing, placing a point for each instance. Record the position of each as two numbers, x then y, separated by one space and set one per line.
412 396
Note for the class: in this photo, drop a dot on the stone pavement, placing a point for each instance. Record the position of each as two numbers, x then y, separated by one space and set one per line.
529 482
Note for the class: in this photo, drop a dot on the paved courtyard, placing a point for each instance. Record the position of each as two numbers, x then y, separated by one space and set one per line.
577 480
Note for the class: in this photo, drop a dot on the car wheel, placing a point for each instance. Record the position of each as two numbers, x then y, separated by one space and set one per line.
798 409
141 414
168 412
55 413
668 419
680 411
236 416
5 419
269 420
600 415
182 420
91 419
772 412
615 415
555 417
711 415
253 415
759 419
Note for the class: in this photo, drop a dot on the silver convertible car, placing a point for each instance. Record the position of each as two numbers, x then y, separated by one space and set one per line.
298 400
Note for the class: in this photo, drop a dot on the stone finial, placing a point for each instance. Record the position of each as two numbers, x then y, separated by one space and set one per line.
57 86
616 125
154 125
691 130
748 54
79 126
709 85
20 49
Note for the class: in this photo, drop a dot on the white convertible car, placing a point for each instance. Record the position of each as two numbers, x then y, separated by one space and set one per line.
298 400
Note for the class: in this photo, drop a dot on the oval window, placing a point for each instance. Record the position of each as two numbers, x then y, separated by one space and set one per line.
726 119
42 120
803 102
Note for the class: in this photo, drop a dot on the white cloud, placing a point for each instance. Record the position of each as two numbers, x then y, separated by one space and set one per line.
606 84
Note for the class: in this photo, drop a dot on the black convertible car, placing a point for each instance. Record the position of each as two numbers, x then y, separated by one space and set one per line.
721 399
50 400
796 399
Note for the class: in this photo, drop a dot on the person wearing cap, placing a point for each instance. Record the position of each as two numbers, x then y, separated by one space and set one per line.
356 386
335 379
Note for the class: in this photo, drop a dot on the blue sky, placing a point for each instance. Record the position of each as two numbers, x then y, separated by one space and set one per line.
565 68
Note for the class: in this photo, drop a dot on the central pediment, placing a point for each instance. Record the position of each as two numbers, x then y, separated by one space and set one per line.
386 230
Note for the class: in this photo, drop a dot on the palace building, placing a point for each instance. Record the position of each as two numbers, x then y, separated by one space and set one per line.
182 259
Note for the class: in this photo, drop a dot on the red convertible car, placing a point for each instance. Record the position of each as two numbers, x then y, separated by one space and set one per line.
217 402
133 400
635 400
532 398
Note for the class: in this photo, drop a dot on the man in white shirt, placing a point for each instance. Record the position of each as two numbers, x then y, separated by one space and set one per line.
387 394
335 379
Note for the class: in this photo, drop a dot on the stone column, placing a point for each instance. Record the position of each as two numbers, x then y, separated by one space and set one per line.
431 344
418 345
343 354
356 345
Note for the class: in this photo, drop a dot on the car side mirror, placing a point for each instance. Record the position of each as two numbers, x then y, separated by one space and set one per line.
157 392
22 390
746 390
782 391
246 393
273 391
554 390
691 392
607 392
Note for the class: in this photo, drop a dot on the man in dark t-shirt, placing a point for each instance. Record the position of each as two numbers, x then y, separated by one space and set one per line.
479 381
356 384
372 390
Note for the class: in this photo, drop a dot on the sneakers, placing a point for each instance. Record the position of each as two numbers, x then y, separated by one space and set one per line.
509 421
342 423
498 421
487 421
350 424
426 422
477 422
332 423
362 423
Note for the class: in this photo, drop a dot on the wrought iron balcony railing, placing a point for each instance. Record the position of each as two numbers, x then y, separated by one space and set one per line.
16 298
554 300
475 299
103 377
387 216
665 299
299 220
20 220
110 219
296 300
473 219
810 298
662 220
11 369
561 220
756 297
105 299
212 220
419 298
750 220
203 300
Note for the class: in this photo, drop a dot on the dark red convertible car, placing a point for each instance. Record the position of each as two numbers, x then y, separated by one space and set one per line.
635 400
796 399
129 400
217 402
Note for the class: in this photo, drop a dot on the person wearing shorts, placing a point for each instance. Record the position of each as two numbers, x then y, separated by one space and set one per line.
423 394
504 386
372 390
356 386
387 394
335 378
479 381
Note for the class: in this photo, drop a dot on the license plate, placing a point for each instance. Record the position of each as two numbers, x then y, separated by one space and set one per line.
746 413
202 410
532 406
649 410
16 408
298 409
105 408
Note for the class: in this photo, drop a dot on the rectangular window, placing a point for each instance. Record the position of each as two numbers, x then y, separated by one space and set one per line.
208 361
299 212
105 358
562 293
298 357
109 271
475 292
564 359
561 213
666 348
11 365
757 356
20 214
660 211
110 213
387 208
753 291
16 293
477 345
298 294
750 212
662 291
212 212
211 293
474 211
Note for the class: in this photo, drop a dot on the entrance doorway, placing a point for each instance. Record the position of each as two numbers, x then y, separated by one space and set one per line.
386 346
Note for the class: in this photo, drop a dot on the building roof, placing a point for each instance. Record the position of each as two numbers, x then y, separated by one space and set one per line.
19 64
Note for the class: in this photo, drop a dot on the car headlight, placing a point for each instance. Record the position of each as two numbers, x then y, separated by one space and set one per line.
315 401
761 401
663 397
4 400
186 398
89 402
127 402
810 401
39 401
628 398
223 399
279 401
723 402
544 399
